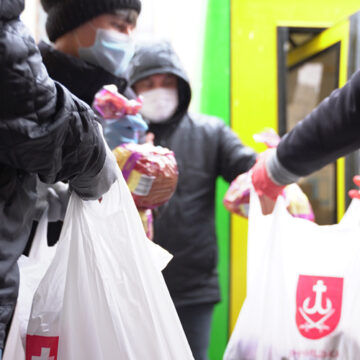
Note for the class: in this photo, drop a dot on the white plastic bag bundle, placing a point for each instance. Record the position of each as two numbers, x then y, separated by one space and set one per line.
303 290
32 268
103 297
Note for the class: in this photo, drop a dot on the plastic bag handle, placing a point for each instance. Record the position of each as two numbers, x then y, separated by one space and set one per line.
39 244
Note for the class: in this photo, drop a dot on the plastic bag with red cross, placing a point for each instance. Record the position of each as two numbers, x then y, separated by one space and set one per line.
103 296
303 288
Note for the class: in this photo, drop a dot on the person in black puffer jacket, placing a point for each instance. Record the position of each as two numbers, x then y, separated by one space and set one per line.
46 133
205 148
330 131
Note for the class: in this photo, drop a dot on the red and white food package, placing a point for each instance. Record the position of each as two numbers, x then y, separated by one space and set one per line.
237 197
110 104
146 217
150 171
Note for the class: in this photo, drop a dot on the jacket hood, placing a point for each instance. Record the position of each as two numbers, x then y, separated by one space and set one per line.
158 57
11 9
80 77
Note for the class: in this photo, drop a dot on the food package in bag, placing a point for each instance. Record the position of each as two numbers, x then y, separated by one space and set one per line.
303 288
146 217
237 197
103 296
150 171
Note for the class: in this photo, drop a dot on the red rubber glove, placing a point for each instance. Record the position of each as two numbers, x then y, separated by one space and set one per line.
261 180
355 194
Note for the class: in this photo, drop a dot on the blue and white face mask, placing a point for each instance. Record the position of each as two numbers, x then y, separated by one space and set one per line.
111 51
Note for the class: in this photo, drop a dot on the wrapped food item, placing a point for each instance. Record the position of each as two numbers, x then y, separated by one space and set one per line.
298 203
150 171
121 121
110 104
146 217
237 197
269 137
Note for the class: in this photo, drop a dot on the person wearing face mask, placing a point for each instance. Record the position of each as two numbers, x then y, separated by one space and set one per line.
92 43
205 148
91 47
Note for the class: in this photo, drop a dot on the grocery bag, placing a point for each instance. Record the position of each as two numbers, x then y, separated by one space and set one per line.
32 268
303 288
103 296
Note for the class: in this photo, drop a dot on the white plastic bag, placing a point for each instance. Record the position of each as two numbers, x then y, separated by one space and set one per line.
303 291
160 256
32 269
103 297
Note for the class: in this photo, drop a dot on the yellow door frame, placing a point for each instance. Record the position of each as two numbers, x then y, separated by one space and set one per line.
254 83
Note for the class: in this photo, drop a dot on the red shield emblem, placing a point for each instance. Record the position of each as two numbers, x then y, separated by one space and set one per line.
318 305
41 347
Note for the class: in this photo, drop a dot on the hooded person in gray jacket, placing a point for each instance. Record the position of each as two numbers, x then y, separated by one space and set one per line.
46 133
205 148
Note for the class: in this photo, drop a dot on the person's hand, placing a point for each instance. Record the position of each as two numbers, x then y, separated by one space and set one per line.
264 186
267 204
136 122
92 188
133 128
129 128
52 198
353 193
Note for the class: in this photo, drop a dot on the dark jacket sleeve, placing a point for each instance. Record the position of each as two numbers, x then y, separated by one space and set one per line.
10 9
330 131
233 157
44 129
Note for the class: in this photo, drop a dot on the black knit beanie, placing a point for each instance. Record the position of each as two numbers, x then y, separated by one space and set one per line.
66 15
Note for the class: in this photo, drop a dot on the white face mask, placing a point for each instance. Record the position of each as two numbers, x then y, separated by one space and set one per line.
159 104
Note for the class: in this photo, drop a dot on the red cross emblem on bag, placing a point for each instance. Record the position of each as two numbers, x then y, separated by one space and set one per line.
41 347
318 305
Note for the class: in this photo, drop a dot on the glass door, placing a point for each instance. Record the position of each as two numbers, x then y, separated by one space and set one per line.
311 72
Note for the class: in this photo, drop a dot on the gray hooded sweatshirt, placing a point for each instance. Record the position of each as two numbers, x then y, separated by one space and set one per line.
205 148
